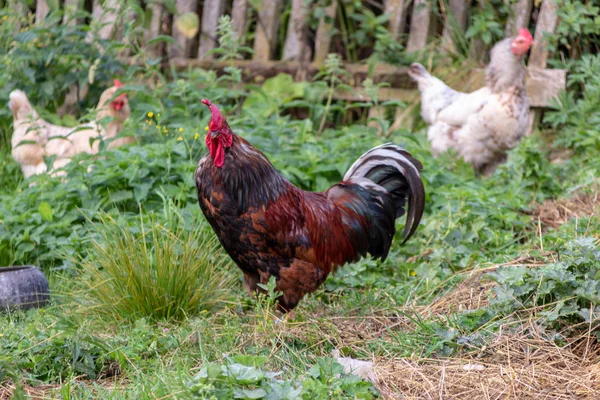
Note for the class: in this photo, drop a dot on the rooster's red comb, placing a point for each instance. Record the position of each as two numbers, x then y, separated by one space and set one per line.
216 121
525 34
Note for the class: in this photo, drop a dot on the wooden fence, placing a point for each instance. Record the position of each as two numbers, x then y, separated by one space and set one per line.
409 22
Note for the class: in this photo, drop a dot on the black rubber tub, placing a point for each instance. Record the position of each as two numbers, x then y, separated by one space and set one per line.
23 287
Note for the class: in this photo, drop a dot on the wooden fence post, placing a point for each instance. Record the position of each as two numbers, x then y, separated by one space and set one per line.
395 9
239 16
70 9
521 14
419 26
41 11
266 29
324 33
106 17
182 6
546 23
155 28
456 18
210 20
296 46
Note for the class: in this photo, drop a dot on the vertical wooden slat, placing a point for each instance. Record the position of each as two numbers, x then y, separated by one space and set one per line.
155 28
129 17
324 33
456 18
70 9
239 16
41 11
266 29
296 46
477 50
520 17
210 19
183 6
419 25
546 23
395 10
105 15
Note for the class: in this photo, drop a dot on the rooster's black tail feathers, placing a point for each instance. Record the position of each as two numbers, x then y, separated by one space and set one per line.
394 169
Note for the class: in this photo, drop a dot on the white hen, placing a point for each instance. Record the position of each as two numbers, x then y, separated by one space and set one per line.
34 138
480 126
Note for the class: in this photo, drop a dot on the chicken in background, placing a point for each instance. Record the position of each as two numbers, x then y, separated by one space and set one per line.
480 126
269 227
34 138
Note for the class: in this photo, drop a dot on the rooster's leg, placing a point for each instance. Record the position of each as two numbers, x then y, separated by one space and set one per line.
251 281
290 316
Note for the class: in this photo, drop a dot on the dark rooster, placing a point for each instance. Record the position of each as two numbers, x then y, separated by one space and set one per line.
269 227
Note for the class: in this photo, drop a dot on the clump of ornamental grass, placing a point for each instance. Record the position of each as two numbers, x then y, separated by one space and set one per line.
154 270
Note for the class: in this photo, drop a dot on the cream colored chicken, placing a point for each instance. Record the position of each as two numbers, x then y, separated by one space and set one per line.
480 126
34 138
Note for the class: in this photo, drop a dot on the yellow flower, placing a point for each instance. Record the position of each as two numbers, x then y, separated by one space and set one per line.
179 139
180 129
196 136
165 130
5 18
150 114
413 273
206 129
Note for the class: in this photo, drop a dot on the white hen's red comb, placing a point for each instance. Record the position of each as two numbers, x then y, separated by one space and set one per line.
117 83
525 34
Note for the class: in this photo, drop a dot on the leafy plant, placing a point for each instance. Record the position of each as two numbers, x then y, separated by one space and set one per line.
230 47
273 95
578 27
565 292
579 118
485 23
332 74
241 377
52 351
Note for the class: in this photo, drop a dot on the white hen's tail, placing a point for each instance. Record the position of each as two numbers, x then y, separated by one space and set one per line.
20 106
418 72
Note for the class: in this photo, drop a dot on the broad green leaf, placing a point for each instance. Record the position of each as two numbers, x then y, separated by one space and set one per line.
45 210
187 23
258 393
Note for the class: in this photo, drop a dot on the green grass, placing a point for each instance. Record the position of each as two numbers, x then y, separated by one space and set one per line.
153 270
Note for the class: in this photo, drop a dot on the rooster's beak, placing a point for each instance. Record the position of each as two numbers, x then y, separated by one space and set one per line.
214 134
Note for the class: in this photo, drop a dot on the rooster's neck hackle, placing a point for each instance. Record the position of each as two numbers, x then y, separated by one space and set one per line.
248 176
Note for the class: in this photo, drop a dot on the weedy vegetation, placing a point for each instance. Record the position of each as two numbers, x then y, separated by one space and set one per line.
500 281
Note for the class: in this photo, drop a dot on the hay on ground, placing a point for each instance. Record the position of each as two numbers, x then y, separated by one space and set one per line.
554 213
512 367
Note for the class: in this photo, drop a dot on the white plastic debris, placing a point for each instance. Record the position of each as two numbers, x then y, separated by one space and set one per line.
473 367
364 369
